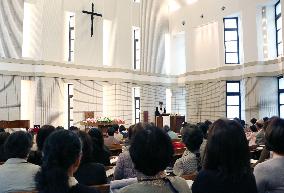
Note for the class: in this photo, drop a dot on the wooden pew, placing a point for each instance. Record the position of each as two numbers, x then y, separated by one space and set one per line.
27 192
105 188
115 149
15 124
189 177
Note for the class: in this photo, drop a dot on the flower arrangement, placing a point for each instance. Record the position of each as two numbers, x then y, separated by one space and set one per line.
104 120
119 121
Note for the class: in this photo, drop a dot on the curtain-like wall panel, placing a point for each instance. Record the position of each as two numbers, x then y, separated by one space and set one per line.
154 25
11 28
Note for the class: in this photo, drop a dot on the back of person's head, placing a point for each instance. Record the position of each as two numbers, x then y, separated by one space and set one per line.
61 153
122 128
227 150
110 131
204 128
274 135
59 128
151 150
208 123
2 130
18 145
115 127
167 128
238 120
259 124
253 128
192 137
243 123
253 121
135 129
265 119
130 131
97 137
42 134
266 123
73 128
87 148
3 137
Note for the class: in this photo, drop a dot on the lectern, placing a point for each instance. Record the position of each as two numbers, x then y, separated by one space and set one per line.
175 122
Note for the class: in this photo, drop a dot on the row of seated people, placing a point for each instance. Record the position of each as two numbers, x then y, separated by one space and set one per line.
220 157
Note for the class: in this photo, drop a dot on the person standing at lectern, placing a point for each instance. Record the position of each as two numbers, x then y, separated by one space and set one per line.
160 110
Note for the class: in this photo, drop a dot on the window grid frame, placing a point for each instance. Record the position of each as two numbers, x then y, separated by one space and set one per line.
238 39
280 91
233 94
136 41
137 117
277 17
71 29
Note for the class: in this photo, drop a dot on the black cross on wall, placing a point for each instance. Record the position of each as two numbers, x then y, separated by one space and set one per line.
93 14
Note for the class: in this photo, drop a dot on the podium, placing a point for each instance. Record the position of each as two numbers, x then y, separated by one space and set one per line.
175 122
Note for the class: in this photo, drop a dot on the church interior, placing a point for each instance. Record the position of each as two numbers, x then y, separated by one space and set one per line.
110 70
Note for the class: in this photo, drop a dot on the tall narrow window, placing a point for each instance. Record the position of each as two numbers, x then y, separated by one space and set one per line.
71 38
70 105
278 25
136 92
233 100
231 40
281 96
136 48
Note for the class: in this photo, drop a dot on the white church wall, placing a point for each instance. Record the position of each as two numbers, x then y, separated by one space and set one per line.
154 27
11 28
213 48
205 101
179 100
45 31
10 97
261 97
117 99
150 97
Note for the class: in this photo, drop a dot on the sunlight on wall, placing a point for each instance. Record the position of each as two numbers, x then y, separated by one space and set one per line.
167 53
191 1
169 100
28 101
174 6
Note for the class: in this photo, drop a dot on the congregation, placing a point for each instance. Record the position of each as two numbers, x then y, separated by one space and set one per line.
217 156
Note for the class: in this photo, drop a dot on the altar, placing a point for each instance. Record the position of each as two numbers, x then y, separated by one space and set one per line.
174 122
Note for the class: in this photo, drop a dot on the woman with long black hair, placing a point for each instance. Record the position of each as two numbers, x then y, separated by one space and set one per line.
101 153
62 154
227 161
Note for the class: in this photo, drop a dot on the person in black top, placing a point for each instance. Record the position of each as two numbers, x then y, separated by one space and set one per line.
89 172
3 138
227 161
61 158
101 153
35 157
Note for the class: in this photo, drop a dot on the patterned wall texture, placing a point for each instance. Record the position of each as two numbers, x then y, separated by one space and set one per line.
261 96
205 101
118 101
10 97
150 98
49 101
154 25
198 101
11 28
88 96
179 100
